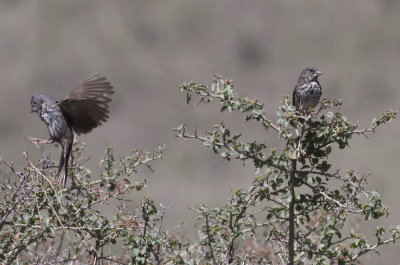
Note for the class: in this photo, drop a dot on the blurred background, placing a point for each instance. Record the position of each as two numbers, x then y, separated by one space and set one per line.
148 48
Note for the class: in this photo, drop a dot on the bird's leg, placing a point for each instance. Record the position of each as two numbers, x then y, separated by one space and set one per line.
38 141
67 154
61 164
314 113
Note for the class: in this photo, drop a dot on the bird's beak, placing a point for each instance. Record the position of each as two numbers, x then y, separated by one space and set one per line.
33 109
318 73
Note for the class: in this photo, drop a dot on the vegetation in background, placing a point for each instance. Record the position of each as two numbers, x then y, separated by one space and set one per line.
297 210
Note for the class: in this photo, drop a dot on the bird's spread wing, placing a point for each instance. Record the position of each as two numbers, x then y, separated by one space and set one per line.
86 107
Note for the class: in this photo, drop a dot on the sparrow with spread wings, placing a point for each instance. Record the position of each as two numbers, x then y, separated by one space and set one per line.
84 108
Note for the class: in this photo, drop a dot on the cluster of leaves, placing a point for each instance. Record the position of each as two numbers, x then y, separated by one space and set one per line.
42 223
289 208
295 211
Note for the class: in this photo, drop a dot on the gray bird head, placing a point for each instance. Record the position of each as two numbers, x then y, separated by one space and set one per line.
37 101
310 74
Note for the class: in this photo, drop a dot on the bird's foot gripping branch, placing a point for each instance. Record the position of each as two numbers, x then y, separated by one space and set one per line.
298 207
84 108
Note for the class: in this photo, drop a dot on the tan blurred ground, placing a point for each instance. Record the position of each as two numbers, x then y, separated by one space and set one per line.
148 48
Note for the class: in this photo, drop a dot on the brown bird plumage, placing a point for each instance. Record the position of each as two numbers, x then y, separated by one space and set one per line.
84 108
307 92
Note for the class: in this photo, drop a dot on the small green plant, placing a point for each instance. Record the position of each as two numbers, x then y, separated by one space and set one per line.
42 223
295 210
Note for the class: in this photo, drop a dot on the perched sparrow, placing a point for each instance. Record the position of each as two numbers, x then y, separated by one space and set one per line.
84 108
307 91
